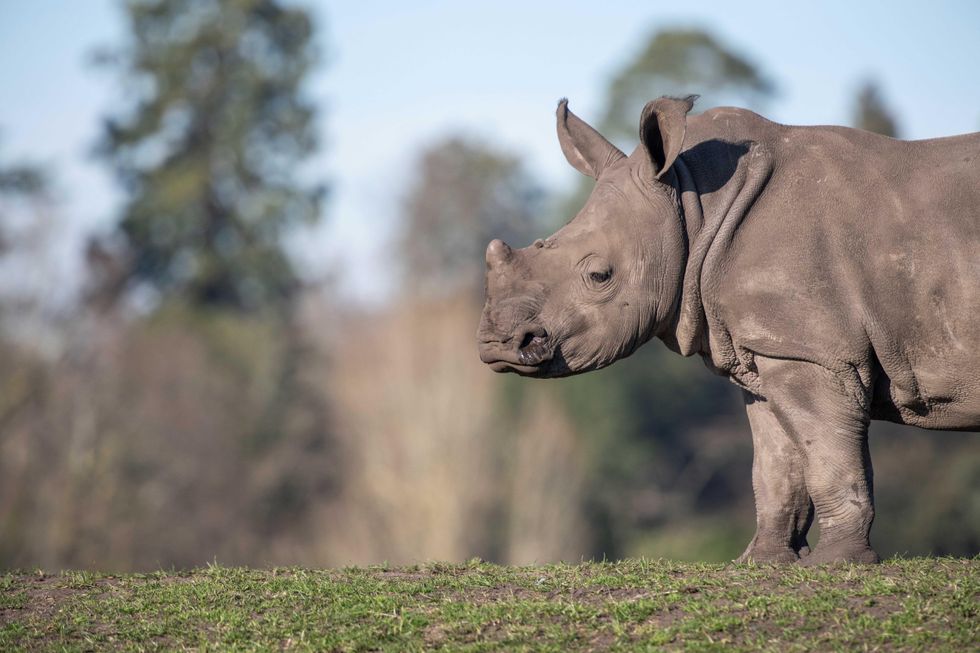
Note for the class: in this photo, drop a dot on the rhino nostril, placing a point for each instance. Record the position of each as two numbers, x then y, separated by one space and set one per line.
533 336
534 347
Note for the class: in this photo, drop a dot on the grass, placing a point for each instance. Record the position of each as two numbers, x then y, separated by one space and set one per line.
922 604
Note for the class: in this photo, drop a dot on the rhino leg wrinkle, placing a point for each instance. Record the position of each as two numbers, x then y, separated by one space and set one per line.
831 273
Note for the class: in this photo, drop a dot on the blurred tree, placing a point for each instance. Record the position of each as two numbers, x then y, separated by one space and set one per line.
680 62
498 461
209 147
19 182
466 193
22 180
32 284
675 62
658 422
220 421
870 112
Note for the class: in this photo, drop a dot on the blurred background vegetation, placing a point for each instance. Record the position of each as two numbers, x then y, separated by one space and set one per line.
199 398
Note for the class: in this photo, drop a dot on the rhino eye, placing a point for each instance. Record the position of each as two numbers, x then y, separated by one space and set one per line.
600 277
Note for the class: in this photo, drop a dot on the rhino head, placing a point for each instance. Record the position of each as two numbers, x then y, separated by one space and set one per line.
610 279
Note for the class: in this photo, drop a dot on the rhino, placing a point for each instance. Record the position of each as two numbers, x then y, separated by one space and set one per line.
831 273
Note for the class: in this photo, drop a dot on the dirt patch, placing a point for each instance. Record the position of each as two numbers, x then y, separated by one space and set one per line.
435 635
405 576
44 596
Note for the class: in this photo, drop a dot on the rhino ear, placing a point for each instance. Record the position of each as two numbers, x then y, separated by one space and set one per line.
663 124
585 148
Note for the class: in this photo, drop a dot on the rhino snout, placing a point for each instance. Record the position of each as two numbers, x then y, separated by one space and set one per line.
523 351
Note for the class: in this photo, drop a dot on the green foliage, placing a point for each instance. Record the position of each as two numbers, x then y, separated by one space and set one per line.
642 419
718 536
927 490
871 114
641 604
209 146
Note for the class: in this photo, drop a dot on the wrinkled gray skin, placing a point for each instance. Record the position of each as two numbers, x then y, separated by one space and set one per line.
831 273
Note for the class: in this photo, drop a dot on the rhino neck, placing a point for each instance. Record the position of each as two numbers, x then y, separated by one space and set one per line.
718 182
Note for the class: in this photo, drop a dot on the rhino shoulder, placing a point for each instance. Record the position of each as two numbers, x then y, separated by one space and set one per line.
732 124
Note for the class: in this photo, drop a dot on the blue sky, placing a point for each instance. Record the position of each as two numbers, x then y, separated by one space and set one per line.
397 75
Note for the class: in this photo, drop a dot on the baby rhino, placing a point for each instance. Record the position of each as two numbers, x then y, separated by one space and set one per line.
832 274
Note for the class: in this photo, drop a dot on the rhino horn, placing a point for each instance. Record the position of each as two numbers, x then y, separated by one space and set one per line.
585 148
498 253
663 124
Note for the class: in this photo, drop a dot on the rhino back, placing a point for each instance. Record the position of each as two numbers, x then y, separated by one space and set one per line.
862 254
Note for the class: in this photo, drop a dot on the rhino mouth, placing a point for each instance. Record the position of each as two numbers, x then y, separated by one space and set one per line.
529 358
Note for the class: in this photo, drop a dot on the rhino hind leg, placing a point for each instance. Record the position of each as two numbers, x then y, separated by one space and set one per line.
783 507
831 432
839 477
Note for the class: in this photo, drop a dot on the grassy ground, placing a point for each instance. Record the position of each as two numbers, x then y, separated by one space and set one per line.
917 604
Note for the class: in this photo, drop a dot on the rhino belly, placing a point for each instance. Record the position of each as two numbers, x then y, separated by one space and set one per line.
934 383
925 293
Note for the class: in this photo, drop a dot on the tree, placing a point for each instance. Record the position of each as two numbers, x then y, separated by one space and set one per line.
31 287
19 182
674 62
870 112
209 147
680 62
466 194
22 180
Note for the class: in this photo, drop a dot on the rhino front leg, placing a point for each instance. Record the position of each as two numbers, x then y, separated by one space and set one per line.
783 507
831 430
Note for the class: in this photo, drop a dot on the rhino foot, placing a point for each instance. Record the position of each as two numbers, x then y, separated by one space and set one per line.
773 554
841 553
